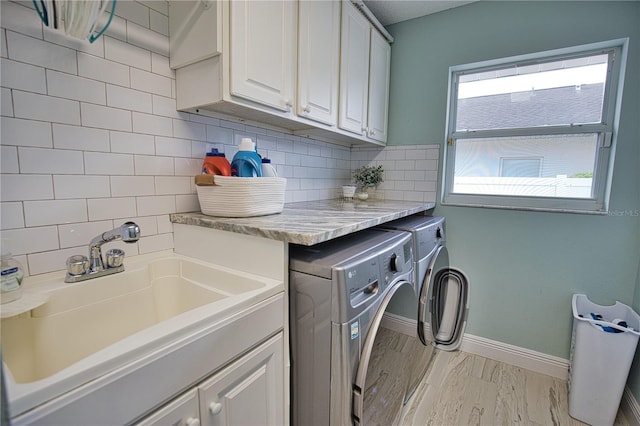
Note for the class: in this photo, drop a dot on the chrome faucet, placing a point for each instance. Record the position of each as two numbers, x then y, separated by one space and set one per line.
79 268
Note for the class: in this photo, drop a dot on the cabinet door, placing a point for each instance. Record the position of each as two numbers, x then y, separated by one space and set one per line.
263 51
354 69
248 392
182 411
318 60
379 67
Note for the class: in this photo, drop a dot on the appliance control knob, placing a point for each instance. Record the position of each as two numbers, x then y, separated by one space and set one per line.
394 263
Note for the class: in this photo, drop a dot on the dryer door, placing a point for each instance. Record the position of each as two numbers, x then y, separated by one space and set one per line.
444 303
382 378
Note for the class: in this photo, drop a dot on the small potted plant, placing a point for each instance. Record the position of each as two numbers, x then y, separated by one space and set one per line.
367 177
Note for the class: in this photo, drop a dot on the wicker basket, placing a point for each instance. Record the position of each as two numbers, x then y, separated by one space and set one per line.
226 196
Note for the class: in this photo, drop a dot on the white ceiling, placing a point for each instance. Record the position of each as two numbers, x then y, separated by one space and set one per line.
393 11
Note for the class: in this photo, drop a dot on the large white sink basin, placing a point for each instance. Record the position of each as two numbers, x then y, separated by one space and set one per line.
89 328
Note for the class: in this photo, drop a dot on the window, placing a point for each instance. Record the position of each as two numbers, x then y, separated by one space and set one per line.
535 131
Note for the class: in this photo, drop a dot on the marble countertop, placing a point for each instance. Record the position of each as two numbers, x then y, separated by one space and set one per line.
310 222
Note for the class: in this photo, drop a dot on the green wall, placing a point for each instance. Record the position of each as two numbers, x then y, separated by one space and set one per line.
524 266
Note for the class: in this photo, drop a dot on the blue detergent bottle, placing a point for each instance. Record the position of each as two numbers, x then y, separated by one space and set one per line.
246 162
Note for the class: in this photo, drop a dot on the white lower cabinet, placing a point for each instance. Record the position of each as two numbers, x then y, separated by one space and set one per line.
249 391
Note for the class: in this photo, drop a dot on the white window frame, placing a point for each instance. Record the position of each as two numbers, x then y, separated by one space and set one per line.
606 130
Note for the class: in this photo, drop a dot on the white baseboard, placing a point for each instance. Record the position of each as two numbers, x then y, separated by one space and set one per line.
492 349
517 356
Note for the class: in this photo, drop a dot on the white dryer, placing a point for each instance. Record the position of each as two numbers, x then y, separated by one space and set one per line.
443 291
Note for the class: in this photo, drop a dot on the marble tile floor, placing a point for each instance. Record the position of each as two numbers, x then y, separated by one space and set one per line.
464 389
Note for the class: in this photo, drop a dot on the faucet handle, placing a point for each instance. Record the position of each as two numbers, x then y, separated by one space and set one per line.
115 258
77 264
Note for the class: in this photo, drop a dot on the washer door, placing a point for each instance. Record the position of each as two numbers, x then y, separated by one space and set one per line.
444 303
383 375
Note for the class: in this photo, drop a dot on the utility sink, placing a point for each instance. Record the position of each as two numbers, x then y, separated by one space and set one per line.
89 328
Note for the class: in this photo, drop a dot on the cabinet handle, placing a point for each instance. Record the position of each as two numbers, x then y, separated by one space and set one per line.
365 130
289 104
192 422
215 408
372 133
307 109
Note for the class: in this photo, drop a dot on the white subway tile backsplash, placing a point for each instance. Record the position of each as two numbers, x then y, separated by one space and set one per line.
42 53
49 261
159 23
187 203
80 186
152 124
155 243
3 43
105 117
133 11
53 161
111 208
31 240
9 159
45 108
164 224
151 83
77 88
168 185
20 19
189 166
18 75
14 187
6 108
433 154
103 70
167 107
25 133
155 205
158 6
190 130
53 212
129 186
80 138
148 225
98 163
132 143
127 54
122 97
219 135
173 147
79 234
203 119
11 215
153 166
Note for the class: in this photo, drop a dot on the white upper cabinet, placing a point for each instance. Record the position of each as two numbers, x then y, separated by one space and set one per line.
365 58
379 68
318 60
263 44
302 66
354 70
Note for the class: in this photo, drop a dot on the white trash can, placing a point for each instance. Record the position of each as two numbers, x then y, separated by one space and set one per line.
602 350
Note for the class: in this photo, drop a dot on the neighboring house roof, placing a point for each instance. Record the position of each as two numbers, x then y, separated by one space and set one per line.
547 107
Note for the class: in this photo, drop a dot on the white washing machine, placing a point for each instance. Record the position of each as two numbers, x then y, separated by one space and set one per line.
348 367
443 291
